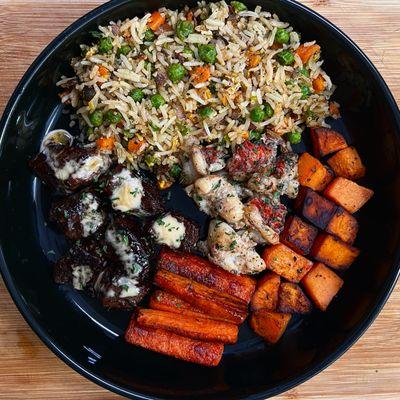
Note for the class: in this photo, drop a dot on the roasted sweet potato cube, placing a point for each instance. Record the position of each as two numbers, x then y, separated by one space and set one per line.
269 324
322 285
314 208
348 194
285 262
312 173
292 299
343 225
298 235
266 294
347 164
326 141
333 252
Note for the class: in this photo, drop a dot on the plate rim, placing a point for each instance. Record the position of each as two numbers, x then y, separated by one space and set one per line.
50 342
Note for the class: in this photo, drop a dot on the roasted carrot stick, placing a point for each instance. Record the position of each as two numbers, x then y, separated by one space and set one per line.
203 271
164 301
195 328
208 300
171 344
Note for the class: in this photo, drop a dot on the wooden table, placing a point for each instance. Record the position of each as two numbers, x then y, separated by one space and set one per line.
28 370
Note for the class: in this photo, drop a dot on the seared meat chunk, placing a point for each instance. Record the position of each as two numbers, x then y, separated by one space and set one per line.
79 215
249 158
279 179
69 167
216 196
265 219
176 231
207 159
82 264
233 251
131 193
131 270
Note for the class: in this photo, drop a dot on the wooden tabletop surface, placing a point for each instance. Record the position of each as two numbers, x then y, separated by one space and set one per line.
28 370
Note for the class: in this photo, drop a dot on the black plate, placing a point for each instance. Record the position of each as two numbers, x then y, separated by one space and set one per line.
88 338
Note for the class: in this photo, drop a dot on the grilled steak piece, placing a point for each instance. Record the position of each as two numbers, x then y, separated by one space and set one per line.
79 215
69 167
82 265
131 193
130 278
175 231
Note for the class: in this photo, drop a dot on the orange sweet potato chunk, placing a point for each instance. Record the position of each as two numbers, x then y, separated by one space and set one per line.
348 194
312 173
333 252
326 141
266 294
269 324
298 235
322 285
285 262
314 208
343 225
347 164
292 299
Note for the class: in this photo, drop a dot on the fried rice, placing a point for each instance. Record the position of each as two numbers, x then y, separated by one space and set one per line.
245 74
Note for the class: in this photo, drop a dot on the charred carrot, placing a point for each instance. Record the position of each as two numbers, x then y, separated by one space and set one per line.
171 344
161 300
202 297
195 328
306 52
319 84
203 271
155 21
106 143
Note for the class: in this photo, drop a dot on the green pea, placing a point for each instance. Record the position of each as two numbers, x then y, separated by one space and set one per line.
149 35
96 118
282 36
255 135
305 92
268 110
157 100
113 116
105 45
207 53
238 6
176 72
175 171
205 112
294 137
137 95
125 49
257 114
184 29
304 71
285 57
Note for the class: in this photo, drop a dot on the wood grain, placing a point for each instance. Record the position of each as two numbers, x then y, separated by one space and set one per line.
28 370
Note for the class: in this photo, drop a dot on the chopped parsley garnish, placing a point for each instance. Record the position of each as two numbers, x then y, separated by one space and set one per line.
232 245
216 185
160 222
